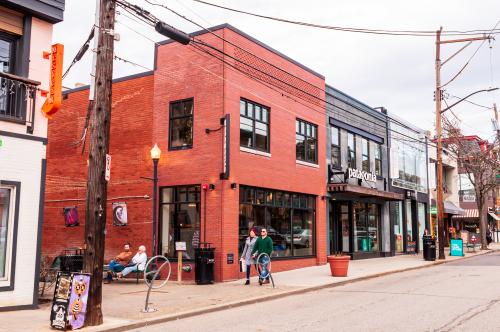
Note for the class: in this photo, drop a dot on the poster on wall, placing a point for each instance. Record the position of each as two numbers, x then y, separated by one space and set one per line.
71 216
78 300
119 214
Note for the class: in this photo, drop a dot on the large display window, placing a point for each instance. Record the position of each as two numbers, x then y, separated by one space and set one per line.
289 218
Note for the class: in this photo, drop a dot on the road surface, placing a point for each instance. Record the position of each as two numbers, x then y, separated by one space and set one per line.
459 296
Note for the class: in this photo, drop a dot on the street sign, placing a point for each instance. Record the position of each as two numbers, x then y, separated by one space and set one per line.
107 174
433 210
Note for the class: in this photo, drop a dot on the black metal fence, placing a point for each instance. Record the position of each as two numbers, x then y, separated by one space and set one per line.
17 100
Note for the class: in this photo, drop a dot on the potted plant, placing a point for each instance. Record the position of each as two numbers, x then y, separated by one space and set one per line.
339 264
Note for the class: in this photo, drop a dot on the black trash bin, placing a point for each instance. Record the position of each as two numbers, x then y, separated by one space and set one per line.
204 261
429 248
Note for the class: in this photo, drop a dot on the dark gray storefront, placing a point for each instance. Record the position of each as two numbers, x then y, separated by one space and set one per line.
358 174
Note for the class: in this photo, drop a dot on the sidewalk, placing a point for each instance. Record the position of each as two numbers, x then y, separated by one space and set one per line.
123 301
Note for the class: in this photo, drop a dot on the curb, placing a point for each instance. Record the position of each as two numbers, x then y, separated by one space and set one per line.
172 317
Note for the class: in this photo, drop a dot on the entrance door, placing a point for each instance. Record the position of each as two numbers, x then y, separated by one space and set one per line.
339 227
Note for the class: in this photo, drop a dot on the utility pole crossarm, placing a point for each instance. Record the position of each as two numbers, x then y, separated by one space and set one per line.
451 41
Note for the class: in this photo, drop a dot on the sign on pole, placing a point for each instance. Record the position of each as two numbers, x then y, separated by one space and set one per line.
107 174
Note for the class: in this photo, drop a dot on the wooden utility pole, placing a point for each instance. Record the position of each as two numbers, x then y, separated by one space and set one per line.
96 198
439 149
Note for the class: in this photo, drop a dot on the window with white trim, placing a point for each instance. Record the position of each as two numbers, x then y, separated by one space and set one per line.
7 199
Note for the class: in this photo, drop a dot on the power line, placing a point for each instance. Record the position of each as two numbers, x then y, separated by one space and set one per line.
471 102
281 92
414 33
83 49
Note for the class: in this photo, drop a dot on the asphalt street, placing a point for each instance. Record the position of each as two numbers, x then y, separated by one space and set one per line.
459 296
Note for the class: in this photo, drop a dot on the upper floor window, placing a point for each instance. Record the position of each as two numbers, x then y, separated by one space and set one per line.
351 150
254 126
335 141
378 160
181 124
306 141
365 155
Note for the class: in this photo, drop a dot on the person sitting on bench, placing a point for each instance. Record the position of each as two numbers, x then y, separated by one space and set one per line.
138 263
119 263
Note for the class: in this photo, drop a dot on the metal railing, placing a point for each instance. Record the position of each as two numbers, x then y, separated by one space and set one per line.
17 100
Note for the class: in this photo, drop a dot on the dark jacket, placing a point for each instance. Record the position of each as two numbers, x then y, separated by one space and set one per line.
263 246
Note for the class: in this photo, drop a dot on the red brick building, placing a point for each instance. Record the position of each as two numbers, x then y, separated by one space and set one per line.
236 116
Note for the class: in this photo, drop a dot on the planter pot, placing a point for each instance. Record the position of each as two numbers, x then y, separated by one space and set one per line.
339 265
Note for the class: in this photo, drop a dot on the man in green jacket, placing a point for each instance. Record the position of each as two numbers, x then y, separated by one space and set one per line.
264 244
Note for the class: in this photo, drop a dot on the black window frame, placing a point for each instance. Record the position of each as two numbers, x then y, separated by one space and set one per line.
351 154
378 160
176 202
254 121
172 118
365 157
336 162
303 202
14 42
304 133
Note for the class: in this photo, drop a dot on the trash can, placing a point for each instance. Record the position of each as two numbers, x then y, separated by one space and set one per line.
204 261
429 248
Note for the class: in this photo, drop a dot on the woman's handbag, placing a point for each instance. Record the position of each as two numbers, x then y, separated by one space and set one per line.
243 265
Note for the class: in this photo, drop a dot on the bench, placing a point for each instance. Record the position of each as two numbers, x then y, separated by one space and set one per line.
138 274
473 246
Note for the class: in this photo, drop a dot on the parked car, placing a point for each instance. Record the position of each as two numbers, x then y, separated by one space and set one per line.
301 237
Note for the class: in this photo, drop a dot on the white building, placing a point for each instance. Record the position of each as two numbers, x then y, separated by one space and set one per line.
25 33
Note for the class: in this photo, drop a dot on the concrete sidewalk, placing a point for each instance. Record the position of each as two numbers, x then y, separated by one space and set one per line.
123 301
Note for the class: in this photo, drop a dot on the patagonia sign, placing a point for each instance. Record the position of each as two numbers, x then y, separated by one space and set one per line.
362 175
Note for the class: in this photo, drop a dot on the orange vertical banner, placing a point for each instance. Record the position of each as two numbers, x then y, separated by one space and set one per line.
53 102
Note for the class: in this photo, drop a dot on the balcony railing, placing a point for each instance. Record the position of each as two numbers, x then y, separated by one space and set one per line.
17 100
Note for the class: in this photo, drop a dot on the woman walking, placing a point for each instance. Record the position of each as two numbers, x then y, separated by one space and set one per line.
246 256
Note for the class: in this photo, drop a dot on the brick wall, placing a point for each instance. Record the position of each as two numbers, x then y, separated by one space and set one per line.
130 143
139 122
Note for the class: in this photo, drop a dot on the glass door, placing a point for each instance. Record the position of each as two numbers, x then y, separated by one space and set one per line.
339 228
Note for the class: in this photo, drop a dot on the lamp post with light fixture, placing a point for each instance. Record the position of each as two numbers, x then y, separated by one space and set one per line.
155 156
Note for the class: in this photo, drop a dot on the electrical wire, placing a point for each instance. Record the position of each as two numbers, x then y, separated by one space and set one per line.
414 33
272 77
360 123
81 52
472 103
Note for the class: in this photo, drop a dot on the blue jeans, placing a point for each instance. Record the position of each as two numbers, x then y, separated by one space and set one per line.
129 269
115 267
264 262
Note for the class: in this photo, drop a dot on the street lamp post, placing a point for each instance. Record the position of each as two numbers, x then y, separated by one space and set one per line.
155 156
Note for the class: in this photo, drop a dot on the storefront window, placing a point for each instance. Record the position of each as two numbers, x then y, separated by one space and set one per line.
366 221
397 214
288 217
5 228
180 219
344 221
421 224
409 225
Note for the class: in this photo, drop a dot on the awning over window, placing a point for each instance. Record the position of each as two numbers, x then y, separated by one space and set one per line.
494 216
451 208
469 213
359 191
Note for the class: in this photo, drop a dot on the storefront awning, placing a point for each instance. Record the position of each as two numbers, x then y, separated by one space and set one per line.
469 213
359 191
494 216
450 208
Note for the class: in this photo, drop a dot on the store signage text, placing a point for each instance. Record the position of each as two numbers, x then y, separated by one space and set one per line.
362 175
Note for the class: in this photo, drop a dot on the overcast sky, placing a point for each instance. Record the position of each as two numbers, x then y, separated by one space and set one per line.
391 71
